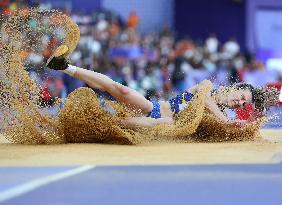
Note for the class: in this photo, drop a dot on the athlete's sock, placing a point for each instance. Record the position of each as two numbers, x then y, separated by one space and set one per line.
70 70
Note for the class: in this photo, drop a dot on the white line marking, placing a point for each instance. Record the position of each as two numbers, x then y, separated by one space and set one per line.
34 184
277 157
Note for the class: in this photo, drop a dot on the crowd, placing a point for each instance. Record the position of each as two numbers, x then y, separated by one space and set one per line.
157 65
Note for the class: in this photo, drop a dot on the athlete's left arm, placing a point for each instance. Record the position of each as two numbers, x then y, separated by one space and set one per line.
210 103
214 109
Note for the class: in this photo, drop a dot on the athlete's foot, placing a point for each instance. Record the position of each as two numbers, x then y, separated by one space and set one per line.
58 60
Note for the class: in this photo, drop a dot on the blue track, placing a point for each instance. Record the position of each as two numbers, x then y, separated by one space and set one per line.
134 185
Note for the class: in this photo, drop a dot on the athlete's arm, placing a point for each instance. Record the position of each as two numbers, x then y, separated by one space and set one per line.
214 109
138 122
210 103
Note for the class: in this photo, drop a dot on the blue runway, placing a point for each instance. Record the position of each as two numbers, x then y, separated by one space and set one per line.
189 184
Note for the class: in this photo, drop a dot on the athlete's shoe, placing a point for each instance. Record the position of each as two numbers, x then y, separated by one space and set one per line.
58 60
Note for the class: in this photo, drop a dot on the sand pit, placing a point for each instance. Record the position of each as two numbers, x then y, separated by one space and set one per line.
266 151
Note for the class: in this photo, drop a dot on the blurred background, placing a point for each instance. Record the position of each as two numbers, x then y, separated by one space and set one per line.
162 47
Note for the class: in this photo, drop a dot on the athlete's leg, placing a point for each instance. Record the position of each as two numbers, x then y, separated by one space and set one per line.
96 80
120 92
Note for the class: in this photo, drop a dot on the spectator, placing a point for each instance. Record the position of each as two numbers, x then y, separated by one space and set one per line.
212 44
231 48
133 20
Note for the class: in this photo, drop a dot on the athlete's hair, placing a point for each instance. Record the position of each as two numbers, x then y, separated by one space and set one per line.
263 98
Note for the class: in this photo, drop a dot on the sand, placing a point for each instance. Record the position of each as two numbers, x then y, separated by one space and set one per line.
269 150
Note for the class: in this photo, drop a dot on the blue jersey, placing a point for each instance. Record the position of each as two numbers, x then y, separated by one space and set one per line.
177 104
180 102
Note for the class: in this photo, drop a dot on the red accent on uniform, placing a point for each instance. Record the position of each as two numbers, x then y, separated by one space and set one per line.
246 112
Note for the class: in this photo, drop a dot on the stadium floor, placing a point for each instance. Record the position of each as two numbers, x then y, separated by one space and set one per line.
200 173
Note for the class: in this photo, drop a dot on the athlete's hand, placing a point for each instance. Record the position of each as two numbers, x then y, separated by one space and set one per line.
237 123
165 120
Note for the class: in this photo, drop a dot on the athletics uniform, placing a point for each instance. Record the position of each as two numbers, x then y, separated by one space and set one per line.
177 104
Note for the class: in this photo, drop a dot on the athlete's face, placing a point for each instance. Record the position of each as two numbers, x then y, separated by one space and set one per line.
237 98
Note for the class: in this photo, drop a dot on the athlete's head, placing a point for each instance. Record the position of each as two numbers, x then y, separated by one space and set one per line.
239 94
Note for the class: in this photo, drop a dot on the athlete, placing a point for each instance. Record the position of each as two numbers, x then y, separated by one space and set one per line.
160 112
